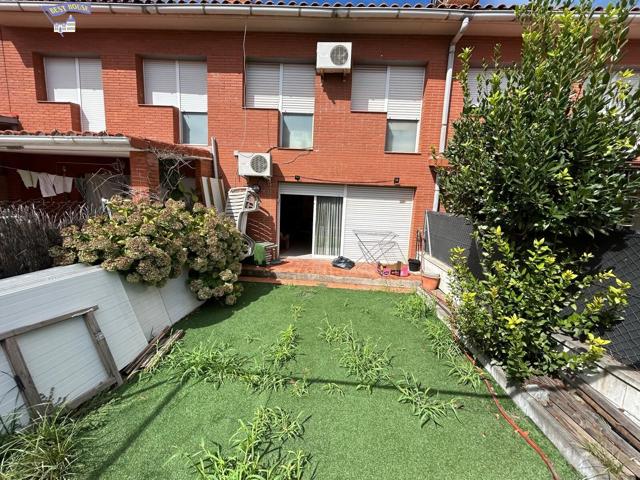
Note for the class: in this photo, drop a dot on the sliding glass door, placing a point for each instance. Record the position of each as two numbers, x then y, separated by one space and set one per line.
328 226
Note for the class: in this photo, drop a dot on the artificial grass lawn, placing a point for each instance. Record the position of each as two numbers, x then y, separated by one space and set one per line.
355 436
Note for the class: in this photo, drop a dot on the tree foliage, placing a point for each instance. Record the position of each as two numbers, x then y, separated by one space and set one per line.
514 310
545 151
540 165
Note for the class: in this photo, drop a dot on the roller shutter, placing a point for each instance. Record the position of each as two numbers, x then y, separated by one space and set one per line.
262 87
378 209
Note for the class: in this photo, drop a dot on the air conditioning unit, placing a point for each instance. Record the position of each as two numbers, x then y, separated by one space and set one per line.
333 57
254 164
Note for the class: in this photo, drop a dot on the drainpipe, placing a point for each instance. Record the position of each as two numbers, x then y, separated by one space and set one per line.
447 101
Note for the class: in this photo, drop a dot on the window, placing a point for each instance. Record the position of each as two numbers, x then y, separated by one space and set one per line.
396 90
289 88
77 80
401 135
477 77
181 84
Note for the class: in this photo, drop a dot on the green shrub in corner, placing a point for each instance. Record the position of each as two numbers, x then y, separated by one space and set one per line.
149 243
514 310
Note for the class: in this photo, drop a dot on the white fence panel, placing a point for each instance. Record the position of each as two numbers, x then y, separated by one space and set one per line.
148 306
178 300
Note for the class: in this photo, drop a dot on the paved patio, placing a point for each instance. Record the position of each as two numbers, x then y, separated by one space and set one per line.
313 272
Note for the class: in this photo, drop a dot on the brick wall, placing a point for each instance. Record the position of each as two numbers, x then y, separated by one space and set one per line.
348 147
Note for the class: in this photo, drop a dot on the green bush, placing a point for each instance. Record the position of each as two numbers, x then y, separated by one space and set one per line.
514 310
546 150
149 243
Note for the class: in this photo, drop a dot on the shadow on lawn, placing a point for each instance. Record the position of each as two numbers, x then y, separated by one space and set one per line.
349 383
206 316
128 441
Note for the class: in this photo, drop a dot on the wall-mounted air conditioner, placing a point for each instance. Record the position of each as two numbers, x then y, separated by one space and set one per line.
333 57
254 164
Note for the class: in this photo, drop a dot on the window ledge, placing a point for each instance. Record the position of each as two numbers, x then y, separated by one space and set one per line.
310 149
402 153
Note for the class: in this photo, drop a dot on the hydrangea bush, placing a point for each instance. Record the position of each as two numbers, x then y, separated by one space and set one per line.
149 243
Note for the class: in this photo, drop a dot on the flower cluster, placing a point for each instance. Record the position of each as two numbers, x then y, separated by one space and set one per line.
215 247
149 242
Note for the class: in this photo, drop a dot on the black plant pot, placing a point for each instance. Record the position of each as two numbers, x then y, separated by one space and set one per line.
414 265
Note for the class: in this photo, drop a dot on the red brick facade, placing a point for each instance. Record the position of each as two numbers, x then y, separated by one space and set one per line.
347 147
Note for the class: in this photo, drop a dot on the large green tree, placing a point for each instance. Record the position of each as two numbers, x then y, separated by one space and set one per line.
540 165
545 152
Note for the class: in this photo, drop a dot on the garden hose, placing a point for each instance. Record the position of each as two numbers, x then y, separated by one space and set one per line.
507 417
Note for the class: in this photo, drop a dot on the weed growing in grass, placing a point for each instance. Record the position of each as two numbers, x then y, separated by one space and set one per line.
333 389
364 360
415 309
49 448
440 340
211 363
263 378
335 335
251 338
284 349
258 448
300 388
296 312
465 372
428 407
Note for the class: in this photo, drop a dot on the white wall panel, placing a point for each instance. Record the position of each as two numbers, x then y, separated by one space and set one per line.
62 359
178 300
378 209
57 291
148 306
11 401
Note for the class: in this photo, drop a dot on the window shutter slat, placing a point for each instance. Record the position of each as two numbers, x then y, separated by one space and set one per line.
474 85
61 79
262 88
193 86
298 88
160 85
405 93
368 89
91 94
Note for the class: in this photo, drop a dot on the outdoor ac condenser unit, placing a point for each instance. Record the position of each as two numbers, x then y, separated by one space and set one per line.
333 57
254 164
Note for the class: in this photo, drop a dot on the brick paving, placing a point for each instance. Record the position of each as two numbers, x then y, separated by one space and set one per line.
316 272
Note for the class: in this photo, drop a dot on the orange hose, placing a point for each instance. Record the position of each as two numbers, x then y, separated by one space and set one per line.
511 421
505 415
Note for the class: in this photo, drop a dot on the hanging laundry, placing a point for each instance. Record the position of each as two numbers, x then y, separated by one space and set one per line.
28 178
58 183
46 184
68 184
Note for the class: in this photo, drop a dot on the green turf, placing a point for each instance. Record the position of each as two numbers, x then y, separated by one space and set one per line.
355 436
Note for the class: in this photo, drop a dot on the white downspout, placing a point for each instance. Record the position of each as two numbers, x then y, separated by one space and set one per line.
447 102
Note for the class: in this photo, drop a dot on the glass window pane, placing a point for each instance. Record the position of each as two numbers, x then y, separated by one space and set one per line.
297 130
401 135
195 128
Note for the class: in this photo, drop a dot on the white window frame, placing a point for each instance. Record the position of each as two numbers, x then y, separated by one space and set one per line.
386 108
78 87
176 63
280 107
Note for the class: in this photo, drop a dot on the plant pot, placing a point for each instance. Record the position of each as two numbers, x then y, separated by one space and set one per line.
430 281
414 265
